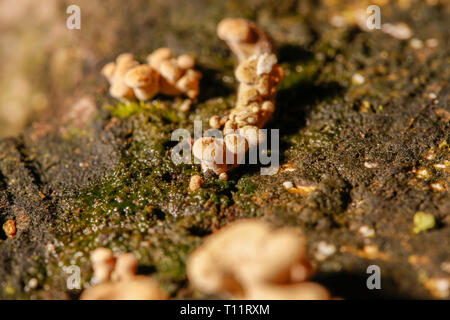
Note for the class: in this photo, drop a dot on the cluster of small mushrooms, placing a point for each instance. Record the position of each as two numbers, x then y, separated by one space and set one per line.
247 259
163 73
258 74
116 279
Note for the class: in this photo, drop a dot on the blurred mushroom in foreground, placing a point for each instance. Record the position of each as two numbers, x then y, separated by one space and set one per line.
249 259
117 279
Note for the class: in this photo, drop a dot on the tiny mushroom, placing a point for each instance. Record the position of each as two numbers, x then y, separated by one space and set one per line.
118 278
250 259
135 288
243 37
103 262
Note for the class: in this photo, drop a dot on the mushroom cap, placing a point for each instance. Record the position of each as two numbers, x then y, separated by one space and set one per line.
168 88
200 145
124 63
101 255
268 106
209 150
140 76
125 57
161 54
135 288
186 61
245 253
214 122
126 266
103 262
108 70
195 182
253 134
235 29
169 70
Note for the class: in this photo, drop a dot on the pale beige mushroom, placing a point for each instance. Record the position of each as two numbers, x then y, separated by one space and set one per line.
253 135
186 61
125 267
195 183
170 70
246 254
212 154
156 57
214 122
189 83
134 288
144 80
103 262
115 74
108 71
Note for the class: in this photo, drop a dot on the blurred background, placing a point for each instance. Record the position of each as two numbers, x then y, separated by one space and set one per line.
46 68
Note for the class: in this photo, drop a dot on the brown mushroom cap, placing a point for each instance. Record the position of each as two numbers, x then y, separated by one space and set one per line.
103 262
125 57
186 61
208 149
169 70
108 70
126 266
120 90
189 83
